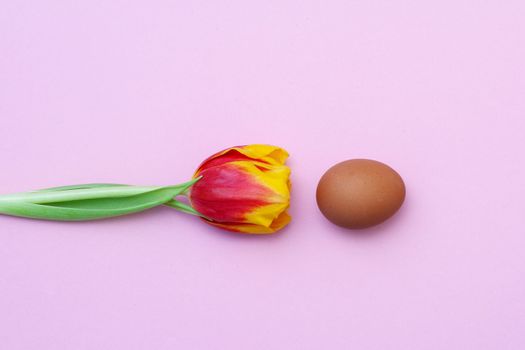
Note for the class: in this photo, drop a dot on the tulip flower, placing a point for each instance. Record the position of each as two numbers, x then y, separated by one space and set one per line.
243 189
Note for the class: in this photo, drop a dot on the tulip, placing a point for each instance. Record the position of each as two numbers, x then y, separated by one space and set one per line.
244 189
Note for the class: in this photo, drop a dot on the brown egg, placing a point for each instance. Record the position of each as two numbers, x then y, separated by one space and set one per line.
360 193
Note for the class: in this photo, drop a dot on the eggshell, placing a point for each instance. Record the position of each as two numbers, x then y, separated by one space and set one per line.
360 193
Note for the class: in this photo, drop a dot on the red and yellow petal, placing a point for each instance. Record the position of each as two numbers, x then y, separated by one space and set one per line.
227 194
281 221
257 152
276 180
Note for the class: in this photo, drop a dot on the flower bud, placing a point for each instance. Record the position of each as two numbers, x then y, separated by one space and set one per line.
244 189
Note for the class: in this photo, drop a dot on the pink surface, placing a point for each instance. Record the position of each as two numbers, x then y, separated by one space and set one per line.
141 92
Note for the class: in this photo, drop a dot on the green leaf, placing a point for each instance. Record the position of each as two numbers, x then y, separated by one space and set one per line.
78 187
88 202
90 209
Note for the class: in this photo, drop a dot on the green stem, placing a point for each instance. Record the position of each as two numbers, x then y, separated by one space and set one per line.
183 207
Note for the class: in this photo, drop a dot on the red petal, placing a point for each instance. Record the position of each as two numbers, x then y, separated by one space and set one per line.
227 194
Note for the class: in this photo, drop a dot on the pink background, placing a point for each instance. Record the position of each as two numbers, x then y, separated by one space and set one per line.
141 91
